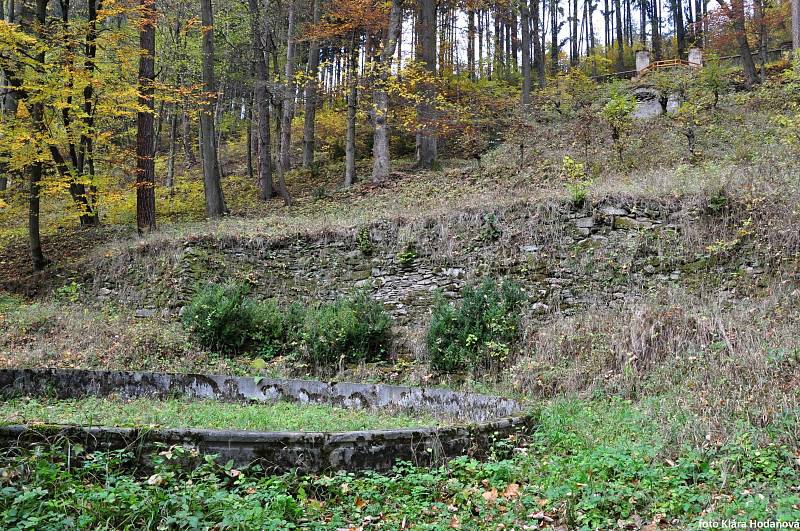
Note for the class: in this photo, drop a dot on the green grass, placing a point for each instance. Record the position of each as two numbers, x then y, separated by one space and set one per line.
278 416
601 464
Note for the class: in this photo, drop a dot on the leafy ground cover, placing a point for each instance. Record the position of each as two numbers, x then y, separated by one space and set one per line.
174 413
590 464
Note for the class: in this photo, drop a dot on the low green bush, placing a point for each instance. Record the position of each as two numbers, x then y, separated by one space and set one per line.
351 330
480 332
275 330
221 317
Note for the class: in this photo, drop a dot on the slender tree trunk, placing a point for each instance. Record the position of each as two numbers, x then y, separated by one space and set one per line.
186 138
215 201
426 134
262 99
680 30
655 28
643 21
629 23
471 43
311 94
796 26
86 149
554 47
9 112
761 28
35 176
352 96
173 148
250 124
736 13
145 146
699 22
288 106
620 40
575 54
480 43
524 18
380 98
538 50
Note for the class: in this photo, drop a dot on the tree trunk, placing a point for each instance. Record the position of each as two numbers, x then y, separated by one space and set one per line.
145 146
35 176
186 138
655 28
311 94
643 22
538 54
173 147
215 201
699 22
426 135
380 98
479 30
250 119
796 26
288 107
352 95
574 33
680 29
761 28
86 154
262 99
620 41
735 12
10 104
524 18
471 43
554 47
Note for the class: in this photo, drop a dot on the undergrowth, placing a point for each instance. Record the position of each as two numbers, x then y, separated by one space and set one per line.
589 465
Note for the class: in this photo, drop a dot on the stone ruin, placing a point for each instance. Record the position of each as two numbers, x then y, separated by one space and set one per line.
478 420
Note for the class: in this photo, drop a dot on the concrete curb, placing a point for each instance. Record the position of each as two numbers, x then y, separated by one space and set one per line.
487 418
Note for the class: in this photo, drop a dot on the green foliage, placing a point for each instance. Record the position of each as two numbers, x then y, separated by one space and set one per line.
479 333
274 330
69 292
364 242
349 330
578 182
618 114
568 93
407 256
8 303
221 317
491 230
713 78
589 465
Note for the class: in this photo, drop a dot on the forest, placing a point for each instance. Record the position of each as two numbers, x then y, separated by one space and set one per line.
101 99
548 247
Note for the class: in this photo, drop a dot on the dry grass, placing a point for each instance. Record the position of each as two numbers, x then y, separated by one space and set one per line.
718 360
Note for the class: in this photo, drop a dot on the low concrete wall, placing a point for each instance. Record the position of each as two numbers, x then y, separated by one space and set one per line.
275 451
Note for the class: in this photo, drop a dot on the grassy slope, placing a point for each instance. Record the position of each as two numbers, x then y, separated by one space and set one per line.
279 416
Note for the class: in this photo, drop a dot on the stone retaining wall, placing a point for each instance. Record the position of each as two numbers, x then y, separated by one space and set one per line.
485 418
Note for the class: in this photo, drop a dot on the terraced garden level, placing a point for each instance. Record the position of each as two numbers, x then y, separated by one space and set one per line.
276 416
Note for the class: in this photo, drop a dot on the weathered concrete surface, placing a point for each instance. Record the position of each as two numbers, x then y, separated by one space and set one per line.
284 451
275 451
440 403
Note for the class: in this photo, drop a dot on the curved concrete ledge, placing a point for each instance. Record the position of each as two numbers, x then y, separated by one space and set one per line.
483 419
